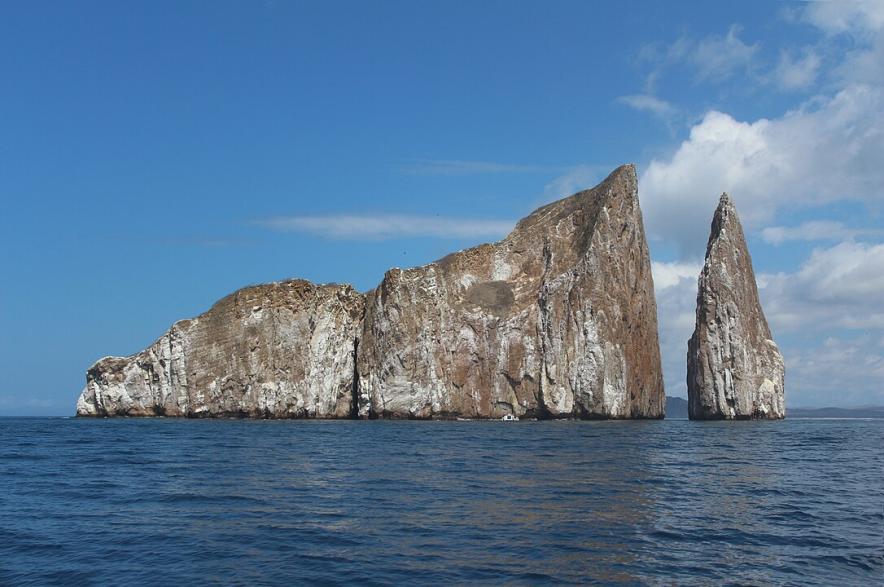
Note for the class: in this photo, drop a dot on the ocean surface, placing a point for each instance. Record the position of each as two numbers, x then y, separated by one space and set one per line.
208 502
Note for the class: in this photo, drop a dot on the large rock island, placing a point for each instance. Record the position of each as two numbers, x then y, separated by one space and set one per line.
735 370
558 320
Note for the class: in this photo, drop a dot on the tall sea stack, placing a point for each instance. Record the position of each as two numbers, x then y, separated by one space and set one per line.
557 320
735 370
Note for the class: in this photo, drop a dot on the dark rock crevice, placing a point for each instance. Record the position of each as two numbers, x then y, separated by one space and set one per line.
354 388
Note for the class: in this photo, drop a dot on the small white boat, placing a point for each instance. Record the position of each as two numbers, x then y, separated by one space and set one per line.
510 418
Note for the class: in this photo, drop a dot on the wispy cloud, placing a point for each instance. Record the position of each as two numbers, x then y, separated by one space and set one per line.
854 16
389 226
647 103
658 108
717 58
462 167
795 73
714 58
816 230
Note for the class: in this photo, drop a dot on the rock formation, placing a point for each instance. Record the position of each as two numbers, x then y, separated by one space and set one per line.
281 350
735 370
556 320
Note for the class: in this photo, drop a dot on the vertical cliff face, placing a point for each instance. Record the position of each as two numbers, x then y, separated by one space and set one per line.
735 370
557 320
279 350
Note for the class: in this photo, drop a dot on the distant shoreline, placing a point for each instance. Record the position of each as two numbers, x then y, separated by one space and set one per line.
870 413
677 409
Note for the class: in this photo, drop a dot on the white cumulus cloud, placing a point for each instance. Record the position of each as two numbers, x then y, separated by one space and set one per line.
826 150
675 287
841 287
828 313
671 274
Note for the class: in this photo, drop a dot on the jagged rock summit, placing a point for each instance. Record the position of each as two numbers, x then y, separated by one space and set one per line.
735 370
557 320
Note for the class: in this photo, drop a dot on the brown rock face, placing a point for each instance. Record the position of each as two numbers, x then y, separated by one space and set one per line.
735 370
556 320
281 350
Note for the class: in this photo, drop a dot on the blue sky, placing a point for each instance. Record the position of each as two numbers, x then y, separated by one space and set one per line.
156 156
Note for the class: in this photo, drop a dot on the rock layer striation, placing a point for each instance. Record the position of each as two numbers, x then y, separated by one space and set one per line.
557 320
735 370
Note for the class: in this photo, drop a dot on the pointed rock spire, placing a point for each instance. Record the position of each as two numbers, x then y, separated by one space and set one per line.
735 370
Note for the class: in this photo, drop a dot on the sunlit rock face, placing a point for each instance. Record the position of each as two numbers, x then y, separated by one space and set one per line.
735 370
556 320
281 350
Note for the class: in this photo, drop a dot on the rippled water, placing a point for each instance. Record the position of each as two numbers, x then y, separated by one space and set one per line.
172 502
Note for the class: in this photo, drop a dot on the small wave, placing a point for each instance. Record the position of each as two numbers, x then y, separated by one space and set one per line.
207 498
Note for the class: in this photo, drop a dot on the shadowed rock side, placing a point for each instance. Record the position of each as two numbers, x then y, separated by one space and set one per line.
735 370
280 350
557 320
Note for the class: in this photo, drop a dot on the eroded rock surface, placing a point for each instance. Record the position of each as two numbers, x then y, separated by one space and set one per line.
556 320
735 370
280 350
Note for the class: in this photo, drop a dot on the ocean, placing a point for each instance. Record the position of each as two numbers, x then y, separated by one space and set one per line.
237 502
